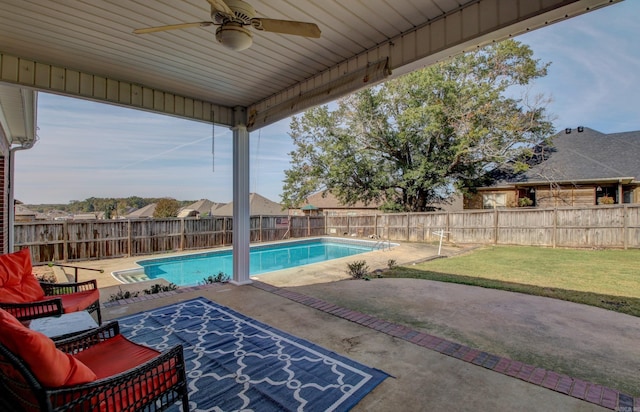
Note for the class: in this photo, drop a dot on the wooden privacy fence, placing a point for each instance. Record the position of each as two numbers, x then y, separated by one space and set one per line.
616 226
101 239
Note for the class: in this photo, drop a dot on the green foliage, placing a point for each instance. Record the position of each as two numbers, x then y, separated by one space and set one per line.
525 202
158 288
155 288
221 277
166 208
112 206
358 269
123 295
409 142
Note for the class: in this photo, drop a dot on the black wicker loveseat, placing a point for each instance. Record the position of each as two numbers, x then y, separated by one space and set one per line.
107 373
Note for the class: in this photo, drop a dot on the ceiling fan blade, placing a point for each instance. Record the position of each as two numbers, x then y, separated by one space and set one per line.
296 28
172 27
221 7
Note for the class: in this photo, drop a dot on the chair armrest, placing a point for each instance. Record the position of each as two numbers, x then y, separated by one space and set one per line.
162 377
52 289
33 310
85 340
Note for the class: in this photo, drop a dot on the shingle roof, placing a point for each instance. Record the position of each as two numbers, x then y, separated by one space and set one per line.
259 205
587 155
146 211
326 200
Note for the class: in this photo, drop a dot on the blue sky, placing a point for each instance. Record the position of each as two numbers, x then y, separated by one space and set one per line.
88 149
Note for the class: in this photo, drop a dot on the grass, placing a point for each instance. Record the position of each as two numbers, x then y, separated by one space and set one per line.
609 279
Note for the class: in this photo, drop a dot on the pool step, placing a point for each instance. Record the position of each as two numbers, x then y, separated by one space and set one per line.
131 276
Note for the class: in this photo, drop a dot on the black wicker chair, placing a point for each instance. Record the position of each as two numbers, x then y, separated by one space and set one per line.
154 385
54 298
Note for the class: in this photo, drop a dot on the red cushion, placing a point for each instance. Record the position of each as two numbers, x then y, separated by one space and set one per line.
77 301
114 356
17 283
117 355
52 367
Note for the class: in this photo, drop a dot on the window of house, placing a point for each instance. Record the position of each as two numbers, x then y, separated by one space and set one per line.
494 200
606 195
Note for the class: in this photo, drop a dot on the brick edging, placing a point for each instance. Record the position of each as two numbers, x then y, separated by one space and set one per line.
590 392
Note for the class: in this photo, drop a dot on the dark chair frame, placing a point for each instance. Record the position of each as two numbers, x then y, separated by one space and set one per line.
51 305
80 397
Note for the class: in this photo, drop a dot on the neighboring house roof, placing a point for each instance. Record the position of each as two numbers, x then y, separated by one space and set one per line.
583 156
23 211
258 205
326 200
146 211
203 207
88 216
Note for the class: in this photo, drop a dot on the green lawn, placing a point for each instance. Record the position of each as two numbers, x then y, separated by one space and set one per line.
605 278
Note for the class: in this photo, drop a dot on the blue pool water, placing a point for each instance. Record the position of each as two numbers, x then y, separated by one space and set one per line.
189 270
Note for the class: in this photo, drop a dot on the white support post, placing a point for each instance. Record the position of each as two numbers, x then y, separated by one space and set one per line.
241 227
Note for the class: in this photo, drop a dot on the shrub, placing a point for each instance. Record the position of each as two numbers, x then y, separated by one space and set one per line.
358 269
525 202
606 200
158 288
221 277
123 295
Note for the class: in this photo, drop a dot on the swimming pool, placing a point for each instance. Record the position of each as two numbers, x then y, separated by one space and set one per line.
189 270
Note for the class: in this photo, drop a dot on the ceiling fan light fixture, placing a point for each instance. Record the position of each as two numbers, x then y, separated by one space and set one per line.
234 37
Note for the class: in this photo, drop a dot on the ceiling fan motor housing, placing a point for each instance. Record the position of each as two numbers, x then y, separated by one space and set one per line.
233 36
243 12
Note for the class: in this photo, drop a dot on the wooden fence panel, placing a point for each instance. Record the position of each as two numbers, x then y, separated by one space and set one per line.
590 227
534 227
423 225
46 240
395 226
632 226
155 235
337 225
96 239
473 227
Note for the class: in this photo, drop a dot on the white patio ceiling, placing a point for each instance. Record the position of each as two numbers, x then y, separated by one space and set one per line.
86 48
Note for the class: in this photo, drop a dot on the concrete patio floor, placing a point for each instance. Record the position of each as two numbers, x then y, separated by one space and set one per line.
428 372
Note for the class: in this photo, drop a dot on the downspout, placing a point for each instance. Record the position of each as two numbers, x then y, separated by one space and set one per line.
11 198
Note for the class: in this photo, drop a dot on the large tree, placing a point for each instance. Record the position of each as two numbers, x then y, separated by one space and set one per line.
410 141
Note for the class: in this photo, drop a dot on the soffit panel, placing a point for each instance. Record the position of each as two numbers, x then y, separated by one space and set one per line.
94 37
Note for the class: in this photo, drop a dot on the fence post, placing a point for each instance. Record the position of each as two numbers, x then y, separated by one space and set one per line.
182 233
448 226
408 230
65 241
129 241
625 226
555 227
495 226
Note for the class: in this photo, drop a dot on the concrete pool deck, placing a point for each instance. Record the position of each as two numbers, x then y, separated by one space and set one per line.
430 370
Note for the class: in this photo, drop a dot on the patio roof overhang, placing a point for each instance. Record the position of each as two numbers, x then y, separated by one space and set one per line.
87 50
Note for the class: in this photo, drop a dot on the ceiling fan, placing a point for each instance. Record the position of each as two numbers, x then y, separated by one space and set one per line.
232 16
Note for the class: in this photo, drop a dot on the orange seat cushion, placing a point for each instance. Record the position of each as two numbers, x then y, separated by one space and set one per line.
77 301
52 367
114 356
17 283
117 355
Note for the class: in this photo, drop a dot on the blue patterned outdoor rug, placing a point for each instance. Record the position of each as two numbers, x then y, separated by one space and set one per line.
235 363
